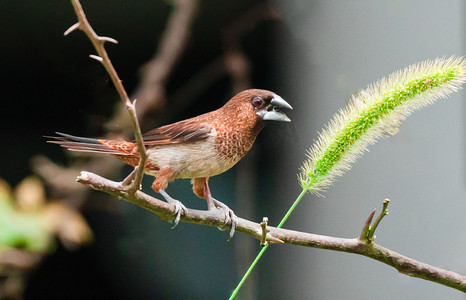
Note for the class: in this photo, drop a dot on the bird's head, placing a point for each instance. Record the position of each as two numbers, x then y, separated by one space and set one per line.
258 107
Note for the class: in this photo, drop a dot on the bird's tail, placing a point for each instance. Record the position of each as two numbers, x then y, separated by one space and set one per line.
82 144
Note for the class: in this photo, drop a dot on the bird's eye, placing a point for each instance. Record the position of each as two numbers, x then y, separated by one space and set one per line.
257 101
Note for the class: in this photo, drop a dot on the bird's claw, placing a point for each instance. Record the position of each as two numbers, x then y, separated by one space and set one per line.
179 207
234 223
230 217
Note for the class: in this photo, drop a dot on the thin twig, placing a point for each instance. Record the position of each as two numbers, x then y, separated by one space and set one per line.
98 42
368 231
383 213
400 262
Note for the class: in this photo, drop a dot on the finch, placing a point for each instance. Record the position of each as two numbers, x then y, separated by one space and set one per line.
196 148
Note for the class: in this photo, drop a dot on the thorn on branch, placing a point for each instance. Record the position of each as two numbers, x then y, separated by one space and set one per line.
72 28
107 39
96 57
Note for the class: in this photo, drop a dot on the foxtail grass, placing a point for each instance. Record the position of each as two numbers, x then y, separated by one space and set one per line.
371 114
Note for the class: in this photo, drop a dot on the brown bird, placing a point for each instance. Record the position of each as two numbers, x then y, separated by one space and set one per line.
196 148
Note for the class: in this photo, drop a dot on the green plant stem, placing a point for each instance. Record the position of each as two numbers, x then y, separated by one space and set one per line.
290 210
256 260
246 275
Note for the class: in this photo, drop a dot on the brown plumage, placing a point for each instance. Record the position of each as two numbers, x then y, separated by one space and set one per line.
197 148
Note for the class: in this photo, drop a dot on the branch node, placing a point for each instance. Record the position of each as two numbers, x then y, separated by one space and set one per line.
135 184
267 239
131 105
263 224
72 28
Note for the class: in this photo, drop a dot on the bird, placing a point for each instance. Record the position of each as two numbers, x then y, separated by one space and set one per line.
197 148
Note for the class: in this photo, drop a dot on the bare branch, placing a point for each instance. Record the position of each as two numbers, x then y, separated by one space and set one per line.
400 262
98 43
136 183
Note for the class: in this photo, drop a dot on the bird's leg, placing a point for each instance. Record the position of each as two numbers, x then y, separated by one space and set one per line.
230 217
179 207
164 176
208 197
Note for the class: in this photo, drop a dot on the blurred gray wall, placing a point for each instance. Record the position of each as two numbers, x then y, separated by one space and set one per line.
341 47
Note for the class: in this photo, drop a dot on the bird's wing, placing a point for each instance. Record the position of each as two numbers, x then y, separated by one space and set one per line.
186 131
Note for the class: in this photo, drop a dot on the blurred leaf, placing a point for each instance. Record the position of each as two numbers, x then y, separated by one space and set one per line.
29 223
30 194
23 230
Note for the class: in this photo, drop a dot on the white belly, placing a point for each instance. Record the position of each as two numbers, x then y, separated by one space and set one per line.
191 160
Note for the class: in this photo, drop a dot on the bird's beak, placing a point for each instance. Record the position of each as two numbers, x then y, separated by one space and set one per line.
273 111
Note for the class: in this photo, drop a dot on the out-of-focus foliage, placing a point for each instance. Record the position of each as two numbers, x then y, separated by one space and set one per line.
29 222
22 223
28 226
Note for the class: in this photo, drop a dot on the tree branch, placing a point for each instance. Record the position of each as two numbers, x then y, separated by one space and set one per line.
275 235
98 42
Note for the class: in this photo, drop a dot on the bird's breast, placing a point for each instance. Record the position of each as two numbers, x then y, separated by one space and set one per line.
233 144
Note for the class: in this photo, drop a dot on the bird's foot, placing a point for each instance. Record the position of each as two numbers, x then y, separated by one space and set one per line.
230 217
179 207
